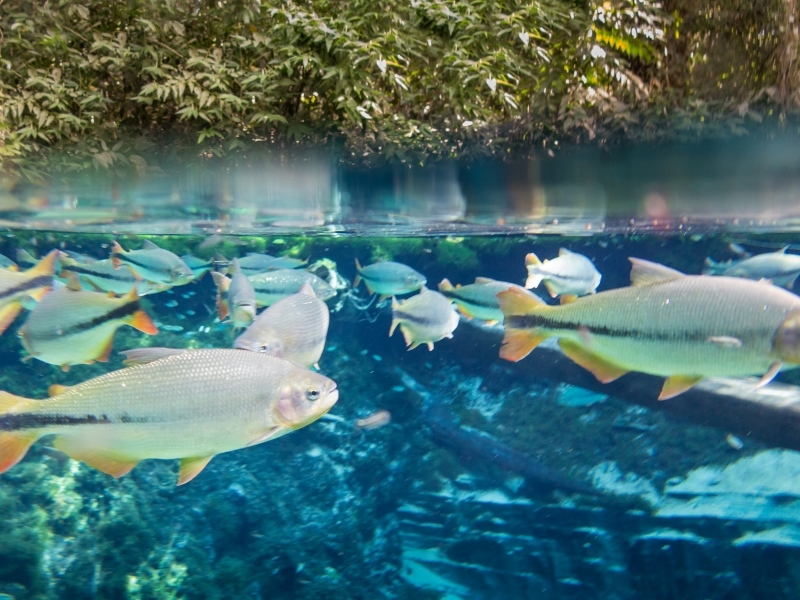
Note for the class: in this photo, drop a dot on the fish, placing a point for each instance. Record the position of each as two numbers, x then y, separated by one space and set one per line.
255 263
376 420
235 297
141 356
681 327
102 276
7 263
424 319
71 326
389 278
80 257
274 285
198 266
287 262
479 299
153 264
294 328
190 406
19 287
570 273
780 268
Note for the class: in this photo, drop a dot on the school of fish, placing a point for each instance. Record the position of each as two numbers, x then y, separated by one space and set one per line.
735 320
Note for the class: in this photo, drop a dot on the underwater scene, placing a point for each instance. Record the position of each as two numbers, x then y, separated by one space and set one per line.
544 389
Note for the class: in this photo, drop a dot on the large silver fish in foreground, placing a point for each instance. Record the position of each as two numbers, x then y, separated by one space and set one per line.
682 327
190 406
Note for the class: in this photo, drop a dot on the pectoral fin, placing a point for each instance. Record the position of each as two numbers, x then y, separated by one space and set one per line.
101 459
677 384
191 467
13 447
601 368
518 343
770 374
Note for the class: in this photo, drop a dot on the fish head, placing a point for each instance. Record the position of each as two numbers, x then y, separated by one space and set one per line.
304 397
414 281
180 274
786 341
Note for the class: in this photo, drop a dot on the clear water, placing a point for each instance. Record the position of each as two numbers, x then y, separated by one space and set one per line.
493 479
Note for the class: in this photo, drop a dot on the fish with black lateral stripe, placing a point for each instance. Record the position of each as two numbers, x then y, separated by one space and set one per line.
15 287
682 327
188 406
424 319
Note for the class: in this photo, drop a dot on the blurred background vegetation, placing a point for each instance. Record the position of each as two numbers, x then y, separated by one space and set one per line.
123 85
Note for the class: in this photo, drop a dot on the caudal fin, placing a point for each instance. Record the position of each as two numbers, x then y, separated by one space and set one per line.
518 343
14 445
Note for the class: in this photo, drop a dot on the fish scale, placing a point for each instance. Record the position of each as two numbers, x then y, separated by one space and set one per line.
193 404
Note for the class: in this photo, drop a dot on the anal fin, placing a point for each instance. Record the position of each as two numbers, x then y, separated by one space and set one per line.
191 467
13 447
518 343
7 315
604 370
677 384
99 458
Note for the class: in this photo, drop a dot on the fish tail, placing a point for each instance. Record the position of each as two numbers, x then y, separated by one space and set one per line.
14 445
445 286
141 320
222 282
518 343
357 280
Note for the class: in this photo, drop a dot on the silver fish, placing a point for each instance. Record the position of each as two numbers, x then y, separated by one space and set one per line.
293 328
153 264
780 268
569 274
235 297
274 285
424 319
389 278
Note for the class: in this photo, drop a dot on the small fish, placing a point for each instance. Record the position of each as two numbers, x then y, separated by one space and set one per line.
389 278
777 267
682 327
102 276
424 319
153 264
254 263
570 273
71 326
274 285
190 406
235 297
7 263
379 418
293 328
478 299
19 287
287 262
198 266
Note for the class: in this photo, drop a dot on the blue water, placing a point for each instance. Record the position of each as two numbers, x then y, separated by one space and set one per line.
493 479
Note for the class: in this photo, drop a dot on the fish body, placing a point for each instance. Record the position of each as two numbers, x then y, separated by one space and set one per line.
189 406
254 263
153 264
287 262
235 297
424 319
70 326
682 327
389 278
778 267
102 276
294 328
479 299
16 287
198 266
274 285
570 273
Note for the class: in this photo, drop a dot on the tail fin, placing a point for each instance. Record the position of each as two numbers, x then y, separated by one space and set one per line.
222 282
531 260
14 445
445 286
532 263
357 280
518 343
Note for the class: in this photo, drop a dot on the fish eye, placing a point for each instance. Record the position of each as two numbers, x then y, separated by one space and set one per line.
313 394
263 348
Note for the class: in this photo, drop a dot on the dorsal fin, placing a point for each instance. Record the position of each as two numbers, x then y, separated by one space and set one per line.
484 280
644 272
307 290
73 283
148 245
563 251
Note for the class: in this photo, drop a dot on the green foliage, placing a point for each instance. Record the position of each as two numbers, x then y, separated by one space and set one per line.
120 85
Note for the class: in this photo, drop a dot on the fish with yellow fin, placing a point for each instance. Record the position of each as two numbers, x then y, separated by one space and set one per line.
424 319
478 300
682 327
236 297
71 326
16 287
189 406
